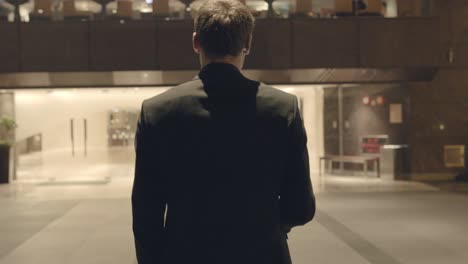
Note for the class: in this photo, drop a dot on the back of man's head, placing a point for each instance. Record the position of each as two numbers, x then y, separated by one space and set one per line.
223 27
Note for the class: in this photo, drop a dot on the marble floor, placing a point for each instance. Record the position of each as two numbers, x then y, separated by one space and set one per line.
359 220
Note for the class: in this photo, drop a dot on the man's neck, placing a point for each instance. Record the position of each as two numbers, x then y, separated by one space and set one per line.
236 61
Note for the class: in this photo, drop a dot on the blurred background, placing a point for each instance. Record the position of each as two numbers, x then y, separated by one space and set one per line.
381 85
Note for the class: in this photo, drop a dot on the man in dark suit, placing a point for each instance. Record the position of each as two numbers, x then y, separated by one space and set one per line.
222 168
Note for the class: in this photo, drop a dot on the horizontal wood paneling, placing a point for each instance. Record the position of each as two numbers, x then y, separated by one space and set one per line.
174 51
271 47
123 46
48 46
277 44
403 42
318 43
9 47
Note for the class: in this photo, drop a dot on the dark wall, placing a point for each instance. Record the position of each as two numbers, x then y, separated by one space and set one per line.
175 50
444 101
54 47
7 109
166 45
330 43
9 48
122 46
403 42
360 119
271 49
439 117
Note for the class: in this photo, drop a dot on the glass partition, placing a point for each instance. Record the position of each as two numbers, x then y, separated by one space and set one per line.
76 135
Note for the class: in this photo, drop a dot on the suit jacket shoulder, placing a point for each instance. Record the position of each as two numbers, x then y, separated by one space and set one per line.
277 102
168 102
270 101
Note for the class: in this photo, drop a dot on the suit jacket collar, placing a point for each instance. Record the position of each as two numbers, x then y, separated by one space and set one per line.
225 79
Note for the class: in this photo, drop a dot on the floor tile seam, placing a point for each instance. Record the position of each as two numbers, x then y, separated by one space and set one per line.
38 231
82 241
360 245
437 243
347 191
404 228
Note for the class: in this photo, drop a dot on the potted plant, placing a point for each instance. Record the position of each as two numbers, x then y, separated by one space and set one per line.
7 127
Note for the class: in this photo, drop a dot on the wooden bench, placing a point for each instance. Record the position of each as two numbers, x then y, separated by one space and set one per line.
364 160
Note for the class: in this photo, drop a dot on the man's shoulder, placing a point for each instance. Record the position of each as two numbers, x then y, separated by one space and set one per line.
173 94
274 102
275 95
167 103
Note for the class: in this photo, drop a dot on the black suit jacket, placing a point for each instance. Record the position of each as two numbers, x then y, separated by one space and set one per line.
222 172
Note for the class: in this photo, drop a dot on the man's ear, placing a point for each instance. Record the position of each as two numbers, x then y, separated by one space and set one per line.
248 44
196 43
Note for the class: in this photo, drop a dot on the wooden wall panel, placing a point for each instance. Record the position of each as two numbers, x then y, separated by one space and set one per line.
277 44
174 51
123 46
458 22
325 43
438 118
403 42
49 46
9 47
459 53
271 47
409 8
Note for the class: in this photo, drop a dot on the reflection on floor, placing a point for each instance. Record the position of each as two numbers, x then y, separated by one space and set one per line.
333 183
359 220
99 165
451 186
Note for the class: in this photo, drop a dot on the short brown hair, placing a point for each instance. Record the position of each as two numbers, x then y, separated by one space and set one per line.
223 27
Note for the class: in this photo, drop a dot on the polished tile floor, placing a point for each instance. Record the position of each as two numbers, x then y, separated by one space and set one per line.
359 220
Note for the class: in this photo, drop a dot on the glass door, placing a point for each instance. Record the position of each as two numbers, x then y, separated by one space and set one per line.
68 136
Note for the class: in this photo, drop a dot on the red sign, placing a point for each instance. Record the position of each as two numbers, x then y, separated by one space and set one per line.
372 145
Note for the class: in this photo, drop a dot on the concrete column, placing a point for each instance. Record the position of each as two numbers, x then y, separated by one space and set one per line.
7 109
7 104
